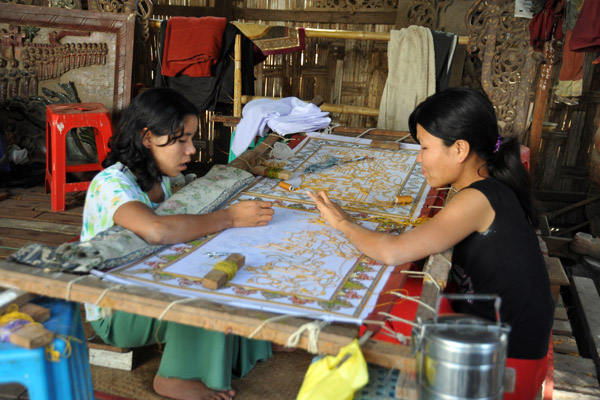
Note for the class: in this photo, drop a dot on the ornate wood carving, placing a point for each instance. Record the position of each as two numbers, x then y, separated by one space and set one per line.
501 42
141 8
26 2
53 56
143 12
70 4
354 5
25 64
427 12
113 6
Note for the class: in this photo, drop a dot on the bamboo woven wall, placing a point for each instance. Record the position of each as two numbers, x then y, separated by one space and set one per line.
353 72
341 71
562 177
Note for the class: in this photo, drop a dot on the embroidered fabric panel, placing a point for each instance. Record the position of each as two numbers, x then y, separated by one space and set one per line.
299 264
367 186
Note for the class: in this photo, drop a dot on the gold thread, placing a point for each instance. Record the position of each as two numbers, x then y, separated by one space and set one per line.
229 267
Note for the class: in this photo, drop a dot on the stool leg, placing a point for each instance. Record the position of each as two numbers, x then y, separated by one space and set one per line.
58 168
47 187
103 133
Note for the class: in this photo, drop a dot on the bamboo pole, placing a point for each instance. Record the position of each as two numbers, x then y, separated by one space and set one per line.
337 108
237 77
338 34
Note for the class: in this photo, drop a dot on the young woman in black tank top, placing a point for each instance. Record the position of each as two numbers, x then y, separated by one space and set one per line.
490 222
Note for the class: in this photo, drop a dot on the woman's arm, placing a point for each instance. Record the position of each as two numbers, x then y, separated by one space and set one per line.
170 229
467 212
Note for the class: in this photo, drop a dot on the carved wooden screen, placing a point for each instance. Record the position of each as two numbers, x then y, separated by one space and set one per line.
501 60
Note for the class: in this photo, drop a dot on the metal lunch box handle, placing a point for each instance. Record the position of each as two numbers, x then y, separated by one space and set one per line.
467 297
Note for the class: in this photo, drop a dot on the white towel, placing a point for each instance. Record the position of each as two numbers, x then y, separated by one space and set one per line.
283 116
411 76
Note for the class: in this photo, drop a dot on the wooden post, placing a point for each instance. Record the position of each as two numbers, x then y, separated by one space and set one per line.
237 77
539 106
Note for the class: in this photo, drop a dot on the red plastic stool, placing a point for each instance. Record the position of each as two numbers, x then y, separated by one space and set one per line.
60 119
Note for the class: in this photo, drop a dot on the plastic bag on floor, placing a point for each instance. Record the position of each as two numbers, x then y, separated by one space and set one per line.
335 377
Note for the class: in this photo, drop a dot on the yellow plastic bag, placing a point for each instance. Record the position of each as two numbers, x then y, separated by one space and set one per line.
336 378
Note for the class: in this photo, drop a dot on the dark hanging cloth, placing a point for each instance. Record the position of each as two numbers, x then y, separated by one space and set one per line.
207 92
586 33
444 45
571 68
546 24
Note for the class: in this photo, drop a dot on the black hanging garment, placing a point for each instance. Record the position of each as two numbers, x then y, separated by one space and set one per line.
207 92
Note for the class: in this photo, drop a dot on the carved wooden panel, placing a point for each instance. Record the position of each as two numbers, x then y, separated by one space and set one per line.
43 3
440 15
427 13
50 44
501 42
114 6
355 5
70 4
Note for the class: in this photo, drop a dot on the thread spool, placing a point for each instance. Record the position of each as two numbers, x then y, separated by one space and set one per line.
223 271
402 200
271 172
286 186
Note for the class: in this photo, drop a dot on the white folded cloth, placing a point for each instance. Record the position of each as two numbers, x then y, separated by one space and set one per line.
283 116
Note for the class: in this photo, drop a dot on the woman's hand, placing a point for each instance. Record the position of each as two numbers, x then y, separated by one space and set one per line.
250 213
332 212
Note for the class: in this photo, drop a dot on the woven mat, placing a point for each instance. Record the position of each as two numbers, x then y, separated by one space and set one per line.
381 386
278 378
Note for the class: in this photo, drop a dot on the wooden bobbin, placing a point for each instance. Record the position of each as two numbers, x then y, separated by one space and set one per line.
387 145
215 278
31 336
402 200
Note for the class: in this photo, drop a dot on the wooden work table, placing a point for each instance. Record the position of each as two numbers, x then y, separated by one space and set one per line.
209 315
196 312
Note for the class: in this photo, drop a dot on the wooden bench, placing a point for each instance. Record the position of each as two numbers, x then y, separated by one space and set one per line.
557 275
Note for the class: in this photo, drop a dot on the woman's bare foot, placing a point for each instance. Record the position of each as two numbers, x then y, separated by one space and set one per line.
183 389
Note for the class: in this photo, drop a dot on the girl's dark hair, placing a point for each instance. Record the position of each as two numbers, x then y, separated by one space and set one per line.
467 114
160 110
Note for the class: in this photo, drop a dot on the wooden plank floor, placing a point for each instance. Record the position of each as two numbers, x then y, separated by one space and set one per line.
575 377
26 217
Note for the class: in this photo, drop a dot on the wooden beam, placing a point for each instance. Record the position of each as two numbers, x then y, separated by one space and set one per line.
554 214
39 226
336 108
587 300
340 130
327 17
567 197
438 266
539 107
360 35
221 10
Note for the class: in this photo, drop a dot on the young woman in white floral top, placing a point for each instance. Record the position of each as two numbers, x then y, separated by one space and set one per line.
153 143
